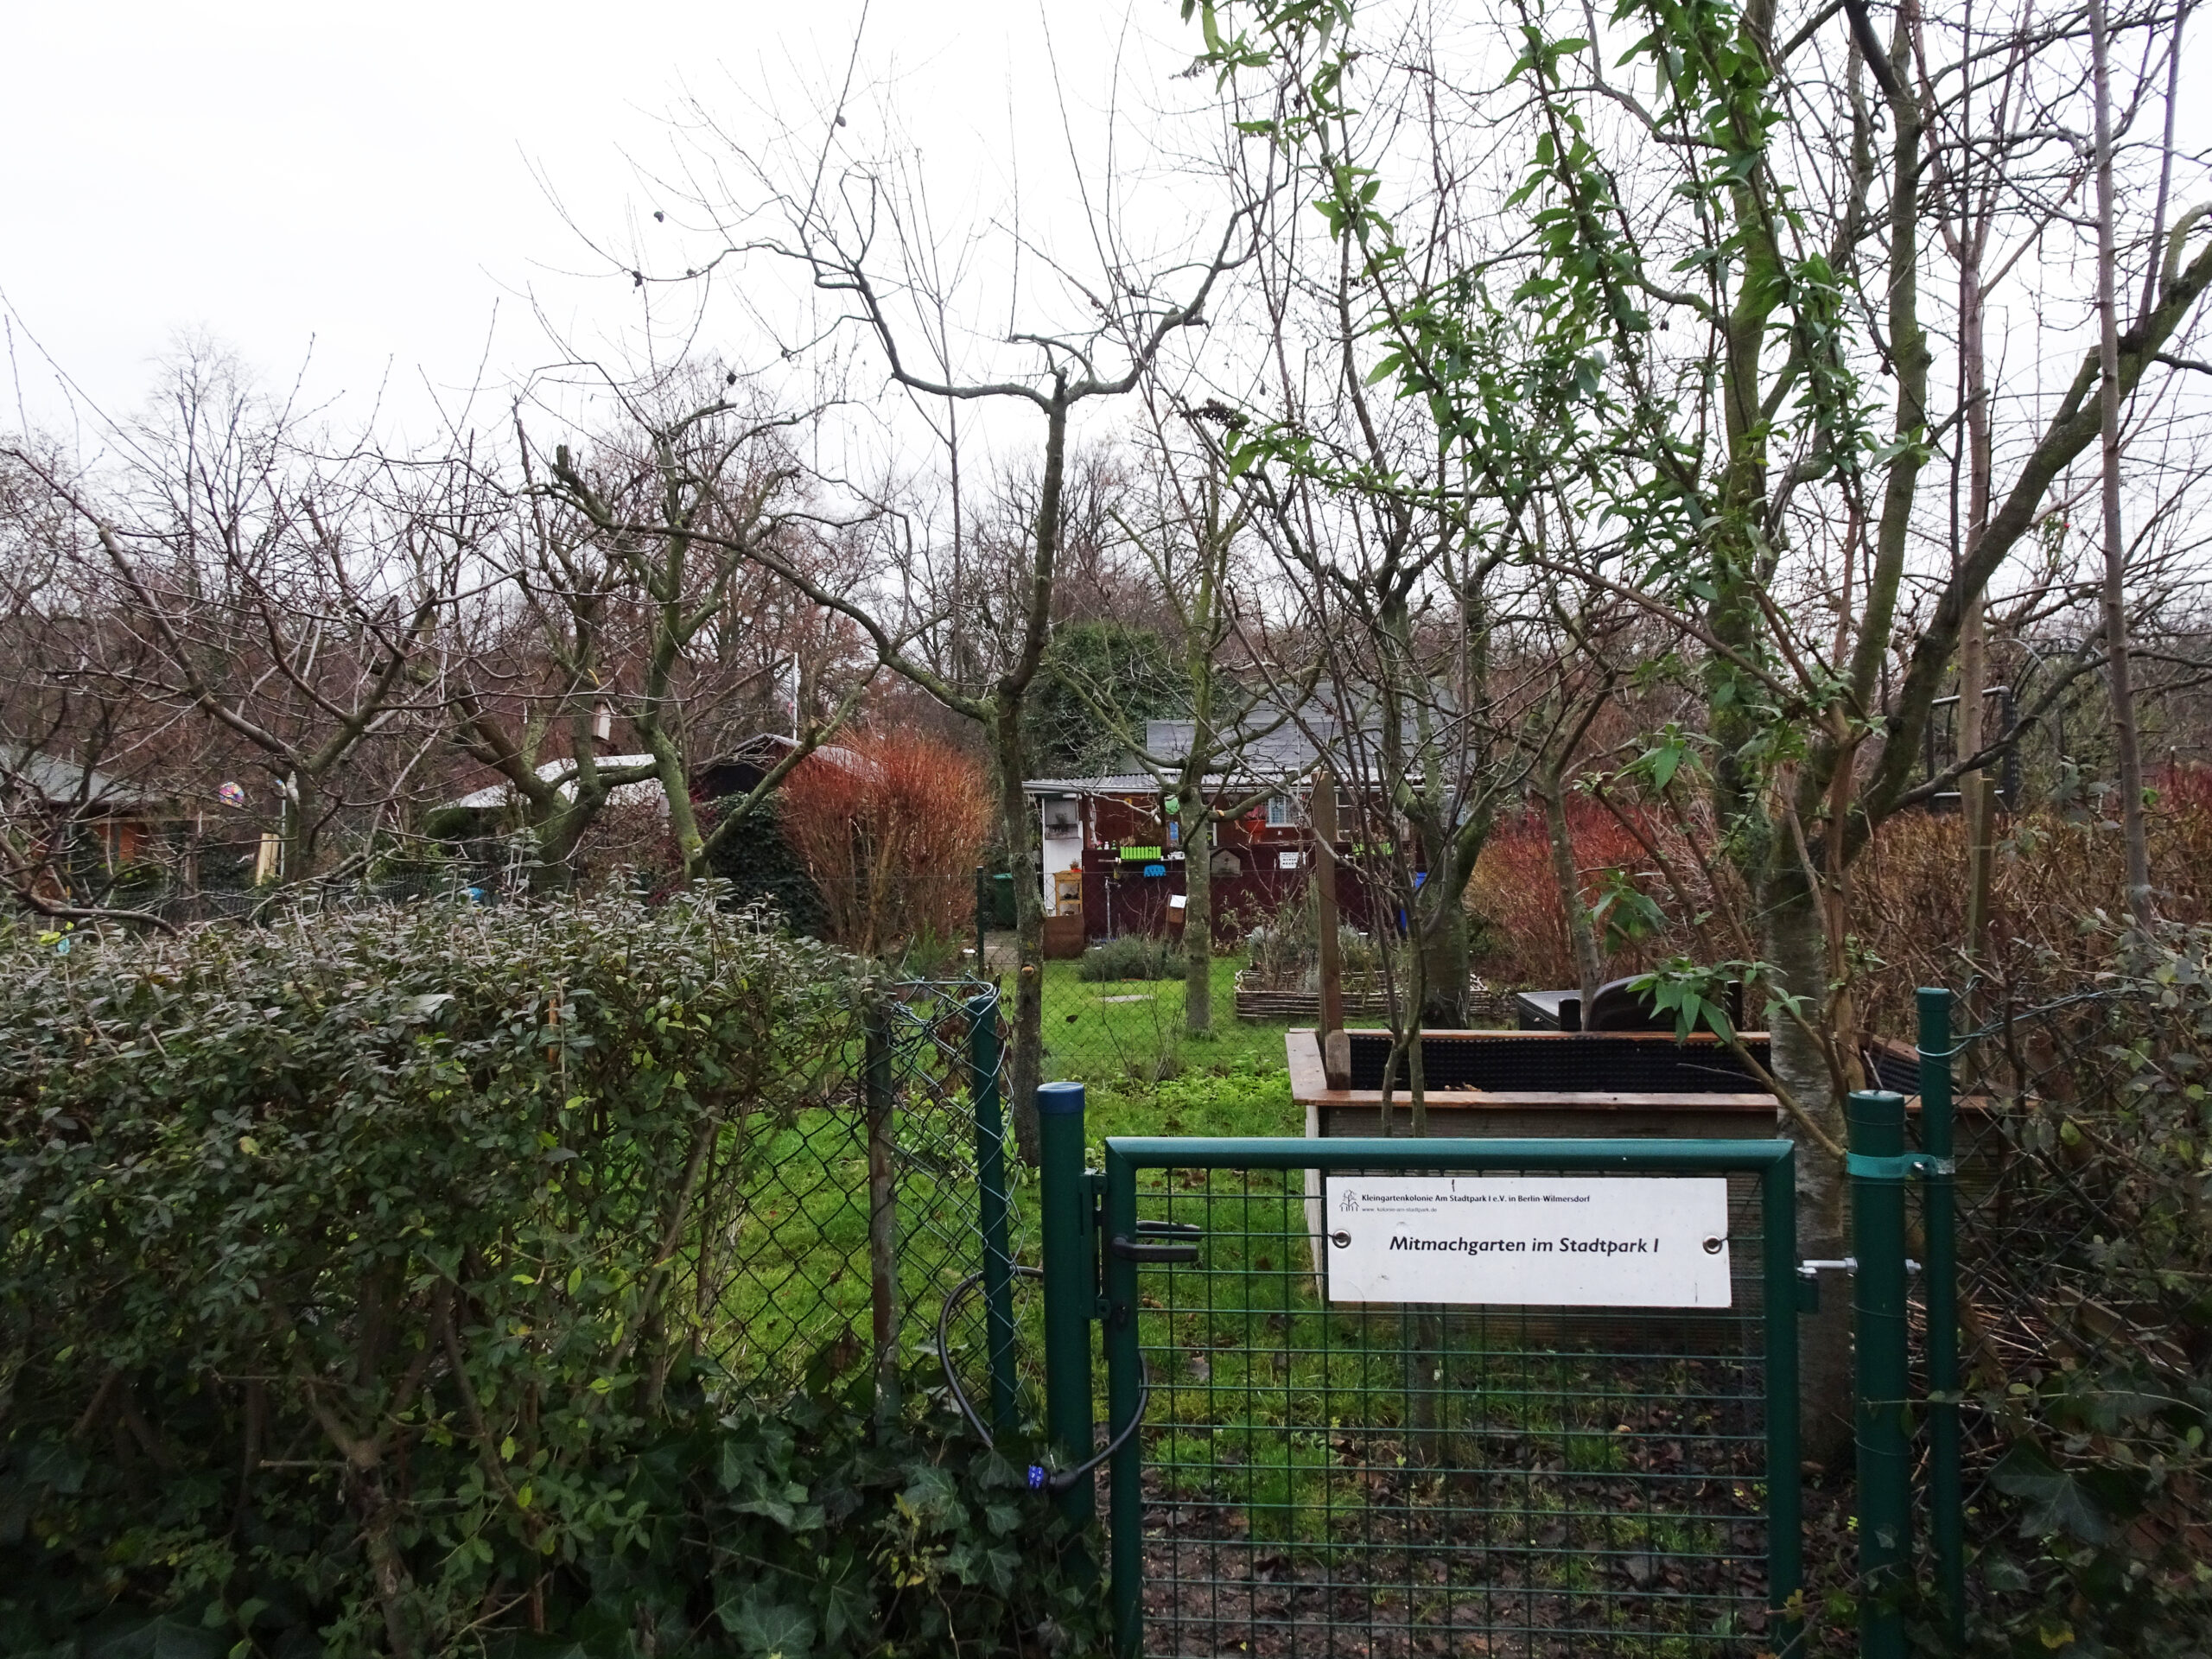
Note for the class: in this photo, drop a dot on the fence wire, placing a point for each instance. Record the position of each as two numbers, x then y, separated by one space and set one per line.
849 1223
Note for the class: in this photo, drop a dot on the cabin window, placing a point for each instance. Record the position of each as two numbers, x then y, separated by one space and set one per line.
1280 812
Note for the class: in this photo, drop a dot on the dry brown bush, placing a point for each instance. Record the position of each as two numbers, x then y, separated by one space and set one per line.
1515 897
890 825
2058 873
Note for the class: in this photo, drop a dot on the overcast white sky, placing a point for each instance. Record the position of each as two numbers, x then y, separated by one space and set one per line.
369 183
364 182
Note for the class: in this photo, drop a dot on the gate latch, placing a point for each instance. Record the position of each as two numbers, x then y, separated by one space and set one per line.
1809 1281
1184 1254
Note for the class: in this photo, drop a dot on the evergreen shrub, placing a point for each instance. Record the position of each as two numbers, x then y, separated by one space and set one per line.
358 1293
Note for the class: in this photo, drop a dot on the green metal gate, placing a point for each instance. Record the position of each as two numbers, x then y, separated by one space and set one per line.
1311 1474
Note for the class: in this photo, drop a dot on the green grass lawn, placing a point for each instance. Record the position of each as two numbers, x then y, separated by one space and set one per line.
1146 1075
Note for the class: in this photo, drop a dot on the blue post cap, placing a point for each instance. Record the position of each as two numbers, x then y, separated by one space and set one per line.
1059 1099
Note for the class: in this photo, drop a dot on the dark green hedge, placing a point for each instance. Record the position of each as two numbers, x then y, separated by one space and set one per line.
357 1277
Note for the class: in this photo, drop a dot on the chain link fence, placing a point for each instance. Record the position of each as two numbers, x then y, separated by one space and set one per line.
2085 1307
848 1225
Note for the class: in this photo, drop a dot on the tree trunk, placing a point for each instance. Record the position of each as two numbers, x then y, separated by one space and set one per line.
557 838
1023 860
1976 789
1197 818
1328 926
292 839
394 1586
1974 794
682 821
1589 966
1797 947
1446 950
1023 857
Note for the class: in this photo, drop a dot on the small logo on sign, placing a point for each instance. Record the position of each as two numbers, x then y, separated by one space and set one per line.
1349 1204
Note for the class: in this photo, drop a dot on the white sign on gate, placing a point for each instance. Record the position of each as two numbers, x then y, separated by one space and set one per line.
1552 1241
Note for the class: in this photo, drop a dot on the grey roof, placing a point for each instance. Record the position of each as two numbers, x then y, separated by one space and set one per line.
1283 754
1137 783
1278 756
58 781
1286 751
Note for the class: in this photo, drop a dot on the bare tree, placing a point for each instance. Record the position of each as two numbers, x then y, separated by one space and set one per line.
284 598
1719 255
855 227
1187 522
699 497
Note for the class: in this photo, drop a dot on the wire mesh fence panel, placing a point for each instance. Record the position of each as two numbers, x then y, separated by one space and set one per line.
1123 1026
2085 1327
961 1182
793 1221
848 1225
1330 1478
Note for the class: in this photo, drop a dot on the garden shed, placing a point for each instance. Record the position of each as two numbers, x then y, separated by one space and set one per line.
1109 842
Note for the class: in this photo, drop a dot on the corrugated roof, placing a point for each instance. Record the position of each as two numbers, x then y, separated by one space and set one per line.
1116 783
563 772
1138 783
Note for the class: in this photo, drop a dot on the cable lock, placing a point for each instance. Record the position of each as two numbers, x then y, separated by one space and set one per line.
1040 1479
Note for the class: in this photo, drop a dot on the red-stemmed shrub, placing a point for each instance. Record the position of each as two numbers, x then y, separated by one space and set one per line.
890 825
1521 926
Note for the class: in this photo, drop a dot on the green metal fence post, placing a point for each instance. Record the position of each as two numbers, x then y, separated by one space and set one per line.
1939 1216
984 1054
882 1209
1125 1470
982 899
1876 1169
1070 1284
1784 1494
